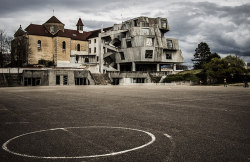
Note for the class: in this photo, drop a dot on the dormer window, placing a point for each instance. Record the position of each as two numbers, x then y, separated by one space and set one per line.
51 29
39 44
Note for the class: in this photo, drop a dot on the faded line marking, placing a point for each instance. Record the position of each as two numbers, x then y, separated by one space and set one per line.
153 138
71 133
17 122
173 146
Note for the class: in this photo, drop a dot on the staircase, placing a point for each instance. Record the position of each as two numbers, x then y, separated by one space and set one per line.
101 79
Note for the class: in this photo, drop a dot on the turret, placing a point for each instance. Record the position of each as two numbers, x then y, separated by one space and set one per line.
80 26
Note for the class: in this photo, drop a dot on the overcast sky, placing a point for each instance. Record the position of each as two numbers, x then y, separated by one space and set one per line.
223 24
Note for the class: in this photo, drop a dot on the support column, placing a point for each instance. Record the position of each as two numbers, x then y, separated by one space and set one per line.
133 66
118 67
174 67
157 67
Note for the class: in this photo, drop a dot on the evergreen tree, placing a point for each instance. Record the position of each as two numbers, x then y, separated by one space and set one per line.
202 55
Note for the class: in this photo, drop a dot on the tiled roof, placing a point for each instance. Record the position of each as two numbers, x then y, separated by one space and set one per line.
40 30
19 32
79 23
53 19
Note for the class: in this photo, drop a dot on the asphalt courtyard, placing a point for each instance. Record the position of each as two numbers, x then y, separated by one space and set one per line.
124 123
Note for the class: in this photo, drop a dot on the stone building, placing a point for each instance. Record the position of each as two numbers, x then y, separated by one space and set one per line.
52 44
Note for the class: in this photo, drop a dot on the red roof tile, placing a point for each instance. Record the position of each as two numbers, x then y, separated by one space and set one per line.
53 19
40 30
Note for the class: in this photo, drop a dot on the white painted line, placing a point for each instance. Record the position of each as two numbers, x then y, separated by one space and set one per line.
5 145
170 137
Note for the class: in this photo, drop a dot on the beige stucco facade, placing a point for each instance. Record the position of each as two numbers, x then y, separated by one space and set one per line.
52 49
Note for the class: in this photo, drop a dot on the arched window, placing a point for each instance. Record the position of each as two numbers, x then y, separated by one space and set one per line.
39 44
78 47
64 45
87 60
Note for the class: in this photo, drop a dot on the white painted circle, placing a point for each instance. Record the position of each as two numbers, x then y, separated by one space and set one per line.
4 146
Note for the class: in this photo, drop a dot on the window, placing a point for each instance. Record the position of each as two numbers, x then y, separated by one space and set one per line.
97 58
78 47
129 43
32 81
145 31
89 41
39 44
65 80
136 22
139 80
58 80
64 45
122 56
149 54
149 41
168 55
169 44
89 50
81 81
86 60
95 50
77 58
95 40
163 23
51 29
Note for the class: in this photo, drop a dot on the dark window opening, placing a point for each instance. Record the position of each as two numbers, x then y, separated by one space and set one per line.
116 81
139 80
64 45
149 54
86 60
32 81
168 55
78 47
95 50
81 81
129 43
65 80
77 58
39 44
95 40
122 56
89 41
136 22
97 58
58 80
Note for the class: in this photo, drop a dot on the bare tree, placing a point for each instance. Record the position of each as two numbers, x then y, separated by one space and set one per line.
5 48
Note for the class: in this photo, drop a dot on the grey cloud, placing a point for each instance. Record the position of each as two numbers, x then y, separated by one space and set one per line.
191 20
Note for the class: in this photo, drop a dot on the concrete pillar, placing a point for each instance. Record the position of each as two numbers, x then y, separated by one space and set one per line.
174 67
158 67
133 66
118 67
